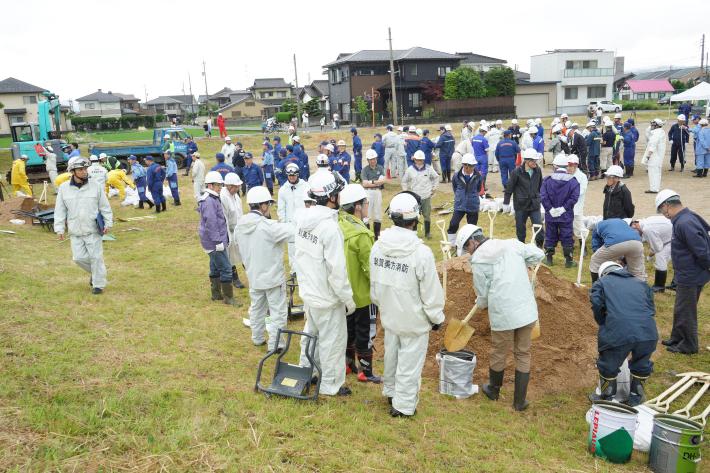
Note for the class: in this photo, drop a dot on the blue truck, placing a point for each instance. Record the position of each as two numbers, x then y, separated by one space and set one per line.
176 139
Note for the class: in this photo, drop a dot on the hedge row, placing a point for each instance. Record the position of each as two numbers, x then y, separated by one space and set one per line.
639 105
114 123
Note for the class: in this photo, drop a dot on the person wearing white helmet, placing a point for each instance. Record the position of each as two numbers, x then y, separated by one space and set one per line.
171 175
446 145
261 241
464 147
679 136
389 141
480 146
599 112
467 131
373 180
657 230
594 150
411 144
97 173
289 202
526 140
467 185
500 279
323 281
702 148
559 194
654 155
618 201
690 253
614 240
405 286
558 143
232 207
506 152
578 221
494 135
83 208
515 131
421 179
524 187
214 238
340 161
358 241
228 150
197 171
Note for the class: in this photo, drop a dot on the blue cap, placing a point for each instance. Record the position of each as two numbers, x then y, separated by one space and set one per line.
248 155
276 138
696 117
266 138
132 158
631 120
239 143
353 130
148 158
324 143
507 132
376 135
425 132
289 148
282 152
220 157
627 125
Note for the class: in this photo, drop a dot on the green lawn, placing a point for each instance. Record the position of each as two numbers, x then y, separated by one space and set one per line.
154 376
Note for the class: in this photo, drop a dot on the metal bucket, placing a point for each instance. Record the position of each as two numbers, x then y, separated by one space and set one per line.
611 432
675 444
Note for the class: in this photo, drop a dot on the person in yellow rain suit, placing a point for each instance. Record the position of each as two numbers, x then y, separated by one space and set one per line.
61 179
118 179
19 181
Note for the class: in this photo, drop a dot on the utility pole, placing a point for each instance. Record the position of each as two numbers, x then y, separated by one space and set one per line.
207 95
192 97
145 92
702 51
394 92
298 104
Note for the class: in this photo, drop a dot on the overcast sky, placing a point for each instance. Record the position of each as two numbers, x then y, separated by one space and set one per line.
129 46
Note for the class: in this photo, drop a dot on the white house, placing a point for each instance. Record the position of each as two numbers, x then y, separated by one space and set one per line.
582 75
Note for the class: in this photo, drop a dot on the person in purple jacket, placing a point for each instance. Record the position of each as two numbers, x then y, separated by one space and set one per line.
480 146
559 193
214 238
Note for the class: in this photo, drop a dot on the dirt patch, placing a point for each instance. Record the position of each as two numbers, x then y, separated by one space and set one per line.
18 203
563 358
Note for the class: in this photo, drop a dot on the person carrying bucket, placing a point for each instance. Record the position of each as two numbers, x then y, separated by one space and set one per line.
623 308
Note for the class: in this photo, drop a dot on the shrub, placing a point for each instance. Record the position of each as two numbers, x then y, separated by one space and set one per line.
639 105
284 117
463 83
111 123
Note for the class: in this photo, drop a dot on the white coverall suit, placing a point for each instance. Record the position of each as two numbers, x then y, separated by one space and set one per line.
261 243
657 230
50 163
232 206
389 140
290 199
653 157
405 286
578 223
98 174
198 178
325 290
493 137
77 208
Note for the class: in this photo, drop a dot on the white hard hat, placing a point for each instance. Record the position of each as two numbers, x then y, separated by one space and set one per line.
341 143
370 154
166 136
568 124
514 121
404 206
617 115
591 124
259 195
227 138
468 158
307 195
296 138
538 121
77 162
483 128
564 115
572 159
470 124
419 131
557 128
574 125
447 127
703 121
400 128
607 121
102 156
352 193
93 158
292 169
530 122
615 171
499 122
560 160
213 177
555 121
665 195
462 236
681 117
232 179
608 266
324 184
419 155
322 158
330 148
657 121
530 153
532 130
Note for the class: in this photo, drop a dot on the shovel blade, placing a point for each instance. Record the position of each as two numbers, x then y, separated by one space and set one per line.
457 335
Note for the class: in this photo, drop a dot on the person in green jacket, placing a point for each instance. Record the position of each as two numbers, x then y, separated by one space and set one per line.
358 243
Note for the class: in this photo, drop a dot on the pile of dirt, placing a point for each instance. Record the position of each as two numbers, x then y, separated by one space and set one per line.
17 203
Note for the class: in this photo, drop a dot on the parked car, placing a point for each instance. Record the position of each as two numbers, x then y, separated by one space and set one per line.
664 100
607 106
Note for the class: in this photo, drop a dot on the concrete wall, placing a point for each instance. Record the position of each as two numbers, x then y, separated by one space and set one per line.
245 109
544 94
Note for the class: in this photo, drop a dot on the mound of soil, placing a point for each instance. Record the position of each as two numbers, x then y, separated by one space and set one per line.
16 203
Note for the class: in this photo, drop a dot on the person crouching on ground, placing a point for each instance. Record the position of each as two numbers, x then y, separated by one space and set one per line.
261 243
624 310
406 288
500 267
559 194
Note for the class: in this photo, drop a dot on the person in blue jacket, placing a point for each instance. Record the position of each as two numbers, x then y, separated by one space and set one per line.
304 166
268 143
426 145
286 159
138 173
624 310
357 153
340 161
411 144
539 142
466 183
446 145
480 152
559 194
629 150
277 146
221 167
614 240
594 149
171 174
253 175
191 149
379 148
267 168
155 175
634 130
506 153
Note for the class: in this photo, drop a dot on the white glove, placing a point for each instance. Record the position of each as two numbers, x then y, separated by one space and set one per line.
644 161
560 211
350 307
219 247
506 208
563 139
557 211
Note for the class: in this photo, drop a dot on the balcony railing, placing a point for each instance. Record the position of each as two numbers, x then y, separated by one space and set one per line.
596 72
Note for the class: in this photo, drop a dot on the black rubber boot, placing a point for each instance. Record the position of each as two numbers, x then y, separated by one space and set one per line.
177 202
521 391
427 230
378 226
140 205
164 205
495 381
705 172
595 276
607 386
216 289
698 173
228 292
235 279
659 282
569 262
150 204
357 177
629 171
637 395
549 253
350 364
157 208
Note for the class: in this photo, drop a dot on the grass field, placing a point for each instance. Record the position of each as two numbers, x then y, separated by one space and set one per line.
153 376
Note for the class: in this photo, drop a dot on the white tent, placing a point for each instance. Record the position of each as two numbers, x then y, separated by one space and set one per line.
699 92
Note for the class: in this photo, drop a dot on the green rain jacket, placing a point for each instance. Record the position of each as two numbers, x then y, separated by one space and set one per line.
358 243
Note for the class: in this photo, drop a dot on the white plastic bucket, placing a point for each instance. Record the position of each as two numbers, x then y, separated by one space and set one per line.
611 432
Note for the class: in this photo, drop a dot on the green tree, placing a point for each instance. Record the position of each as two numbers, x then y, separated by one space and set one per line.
499 82
678 85
363 109
313 108
288 105
463 83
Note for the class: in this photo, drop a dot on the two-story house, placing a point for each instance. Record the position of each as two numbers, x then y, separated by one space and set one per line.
366 73
273 92
172 106
105 104
582 75
19 104
316 90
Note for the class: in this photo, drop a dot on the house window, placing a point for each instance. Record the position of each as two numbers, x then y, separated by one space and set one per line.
570 93
415 99
89 106
640 96
596 91
29 99
441 71
585 64
236 114
16 119
249 104
413 69
281 94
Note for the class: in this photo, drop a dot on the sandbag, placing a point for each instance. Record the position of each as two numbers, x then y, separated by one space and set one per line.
132 197
456 373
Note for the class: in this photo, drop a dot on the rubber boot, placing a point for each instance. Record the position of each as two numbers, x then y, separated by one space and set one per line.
140 205
157 208
228 292
448 176
607 386
427 230
216 289
595 276
378 226
350 364
235 279
521 391
495 381
659 282
549 253
637 395
705 172
389 174
177 203
357 177
698 172
569 262
164 205
629 171
366 375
